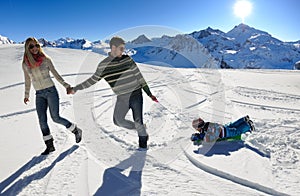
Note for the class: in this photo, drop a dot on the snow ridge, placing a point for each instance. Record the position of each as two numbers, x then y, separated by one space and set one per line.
231 177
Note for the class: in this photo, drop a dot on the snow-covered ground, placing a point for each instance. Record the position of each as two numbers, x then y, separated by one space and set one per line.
107 161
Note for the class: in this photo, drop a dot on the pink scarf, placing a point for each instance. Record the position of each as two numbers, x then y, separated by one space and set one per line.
38 60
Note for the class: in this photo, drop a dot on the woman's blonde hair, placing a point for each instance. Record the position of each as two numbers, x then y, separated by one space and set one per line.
27 53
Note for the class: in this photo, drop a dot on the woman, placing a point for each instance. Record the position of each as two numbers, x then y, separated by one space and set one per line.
210 132
37 67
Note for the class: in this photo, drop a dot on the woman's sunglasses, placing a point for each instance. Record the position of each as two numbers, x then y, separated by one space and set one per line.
32 46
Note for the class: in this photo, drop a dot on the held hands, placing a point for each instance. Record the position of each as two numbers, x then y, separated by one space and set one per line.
154 98
70 90
26 100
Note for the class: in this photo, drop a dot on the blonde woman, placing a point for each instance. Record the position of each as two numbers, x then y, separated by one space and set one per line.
37 67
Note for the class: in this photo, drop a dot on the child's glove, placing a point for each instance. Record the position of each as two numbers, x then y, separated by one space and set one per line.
197 136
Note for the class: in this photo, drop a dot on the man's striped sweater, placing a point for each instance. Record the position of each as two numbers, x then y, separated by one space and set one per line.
121 73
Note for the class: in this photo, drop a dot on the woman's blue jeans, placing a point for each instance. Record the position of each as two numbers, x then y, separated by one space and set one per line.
48 98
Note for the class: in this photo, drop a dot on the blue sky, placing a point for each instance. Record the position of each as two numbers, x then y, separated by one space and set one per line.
98 19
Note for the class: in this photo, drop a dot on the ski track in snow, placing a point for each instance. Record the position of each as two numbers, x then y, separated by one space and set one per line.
62 172
235 179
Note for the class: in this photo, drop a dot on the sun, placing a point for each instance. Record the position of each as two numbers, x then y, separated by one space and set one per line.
242 8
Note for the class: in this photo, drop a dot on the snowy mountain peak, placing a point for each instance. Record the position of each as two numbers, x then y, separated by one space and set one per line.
141 39
184 42
242 32
206 32
44 42
5 40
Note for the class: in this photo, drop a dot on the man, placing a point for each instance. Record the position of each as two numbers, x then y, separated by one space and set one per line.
127 82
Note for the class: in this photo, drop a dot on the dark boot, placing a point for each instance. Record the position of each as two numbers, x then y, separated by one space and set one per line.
49 147
143 141
251 125
247 118
78 134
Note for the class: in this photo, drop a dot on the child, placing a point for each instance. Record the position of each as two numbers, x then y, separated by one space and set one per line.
211 132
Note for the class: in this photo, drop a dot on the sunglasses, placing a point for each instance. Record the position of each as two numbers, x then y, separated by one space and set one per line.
32 46
200 126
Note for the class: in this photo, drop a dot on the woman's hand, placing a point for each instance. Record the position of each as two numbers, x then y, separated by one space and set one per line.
70 90
26 100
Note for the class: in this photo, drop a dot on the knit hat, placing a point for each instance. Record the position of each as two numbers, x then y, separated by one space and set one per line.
198 123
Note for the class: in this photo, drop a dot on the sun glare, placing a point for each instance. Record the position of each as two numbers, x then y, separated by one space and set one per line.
242 8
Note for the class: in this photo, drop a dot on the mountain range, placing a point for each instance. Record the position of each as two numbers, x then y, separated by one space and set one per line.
241 47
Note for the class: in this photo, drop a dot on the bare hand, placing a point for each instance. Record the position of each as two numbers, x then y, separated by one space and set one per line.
26 100
70 90
154 98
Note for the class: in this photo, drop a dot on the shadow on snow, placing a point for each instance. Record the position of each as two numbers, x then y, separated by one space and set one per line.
227 147
117 183
19 185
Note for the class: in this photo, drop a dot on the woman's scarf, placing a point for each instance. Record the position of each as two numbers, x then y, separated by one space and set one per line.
38 60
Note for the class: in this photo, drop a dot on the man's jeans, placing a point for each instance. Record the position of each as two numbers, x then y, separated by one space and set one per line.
48 98
133 101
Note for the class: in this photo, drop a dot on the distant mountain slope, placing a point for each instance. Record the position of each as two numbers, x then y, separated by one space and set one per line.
241 47
247 47
5 40
178 51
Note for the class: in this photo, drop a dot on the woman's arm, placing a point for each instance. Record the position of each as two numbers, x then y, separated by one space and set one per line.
56 74
27 81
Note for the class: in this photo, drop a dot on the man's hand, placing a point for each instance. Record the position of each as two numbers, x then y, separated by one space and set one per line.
26 100
154 98
70 90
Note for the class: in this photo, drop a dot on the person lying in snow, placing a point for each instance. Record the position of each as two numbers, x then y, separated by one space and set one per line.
211 132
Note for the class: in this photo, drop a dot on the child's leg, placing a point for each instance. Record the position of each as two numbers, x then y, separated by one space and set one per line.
242 127
236 123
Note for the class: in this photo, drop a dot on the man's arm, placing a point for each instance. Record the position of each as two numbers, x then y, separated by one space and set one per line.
92 80
143 82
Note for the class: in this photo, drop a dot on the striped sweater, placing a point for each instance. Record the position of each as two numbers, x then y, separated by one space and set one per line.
121 73
40 76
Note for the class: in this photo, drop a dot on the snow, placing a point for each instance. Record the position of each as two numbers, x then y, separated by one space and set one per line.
5 40
107 161
231 51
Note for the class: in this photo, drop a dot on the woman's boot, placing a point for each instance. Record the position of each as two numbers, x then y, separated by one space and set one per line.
49 147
